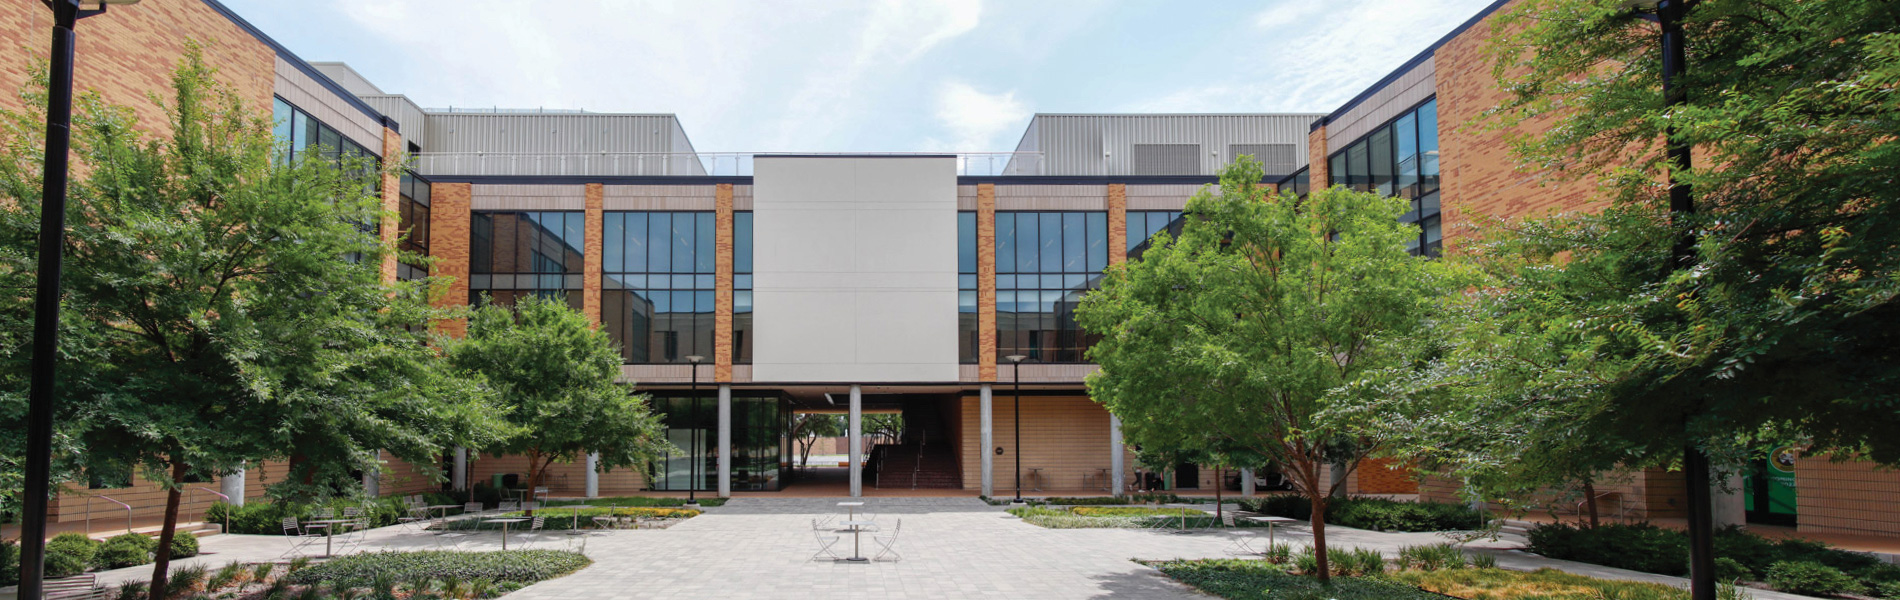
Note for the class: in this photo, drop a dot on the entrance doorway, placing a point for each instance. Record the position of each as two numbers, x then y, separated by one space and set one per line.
1768 489
1187 476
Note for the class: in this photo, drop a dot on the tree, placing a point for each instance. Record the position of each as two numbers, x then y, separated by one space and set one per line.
807 428
556 376
1767 313
231 305
1257 319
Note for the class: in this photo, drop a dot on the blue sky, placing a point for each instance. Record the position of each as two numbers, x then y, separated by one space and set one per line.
865 75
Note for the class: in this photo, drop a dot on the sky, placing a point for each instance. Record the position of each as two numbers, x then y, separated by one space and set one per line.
865 75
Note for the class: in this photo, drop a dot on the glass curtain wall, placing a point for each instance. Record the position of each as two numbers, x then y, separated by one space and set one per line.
517 254
305 136
760 455
1144 224
657 276
966 288
1045 262
413 226
742 288
1400 158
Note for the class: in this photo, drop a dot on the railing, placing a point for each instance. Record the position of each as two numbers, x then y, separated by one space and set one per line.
227 503
1622 508
128 512
923 437
676 164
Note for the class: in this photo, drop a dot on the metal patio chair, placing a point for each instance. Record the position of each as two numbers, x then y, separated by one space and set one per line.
825 542
889 542
1242 539
297 536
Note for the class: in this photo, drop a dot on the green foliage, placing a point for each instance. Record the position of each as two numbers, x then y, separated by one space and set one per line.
263 517
376 569
69 554
132 590
185 544
557 374
186 579
563 519
1377 514
1255 330
1739 554
126 550
225 576
647 501
1256 580
1888 589
1811 578
9 563
1730 570
1543 584
1433 557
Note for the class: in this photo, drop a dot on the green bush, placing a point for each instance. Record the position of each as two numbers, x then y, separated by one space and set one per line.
1431 558
9 563
1378 514
259 517
522 566
1258 580
1651 549
184 545
1729 570
1811 578
1888 589
70 554
564 519
131 549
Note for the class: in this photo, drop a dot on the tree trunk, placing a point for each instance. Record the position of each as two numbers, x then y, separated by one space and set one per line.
535 468
1220 481
1590 500
1319 536
161 563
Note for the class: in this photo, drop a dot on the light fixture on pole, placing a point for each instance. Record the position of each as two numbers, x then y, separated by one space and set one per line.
693 456
1016 375
46 295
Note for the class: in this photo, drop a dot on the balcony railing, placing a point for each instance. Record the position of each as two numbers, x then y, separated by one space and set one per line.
663 164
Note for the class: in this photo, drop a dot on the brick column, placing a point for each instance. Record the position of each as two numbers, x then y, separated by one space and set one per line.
1117 223
392 203
986 282
1318 173
591 252
722 287
448 242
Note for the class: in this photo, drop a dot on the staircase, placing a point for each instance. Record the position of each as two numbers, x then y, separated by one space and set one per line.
924 458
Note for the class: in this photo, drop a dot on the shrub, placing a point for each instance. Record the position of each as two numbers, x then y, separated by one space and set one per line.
126 550
70 554
1373 513
266 518
1730 570
564 519
363 570
1638 547
1811 578
1305 561
1888 589
9 563
1543 583
1255 580
1431 558
184 545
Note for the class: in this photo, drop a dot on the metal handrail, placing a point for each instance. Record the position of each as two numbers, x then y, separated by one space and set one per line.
688 164
923 437
227 511
128 512
1622 508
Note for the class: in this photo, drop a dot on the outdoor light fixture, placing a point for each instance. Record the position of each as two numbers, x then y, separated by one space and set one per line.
46 296
1017 375
693 466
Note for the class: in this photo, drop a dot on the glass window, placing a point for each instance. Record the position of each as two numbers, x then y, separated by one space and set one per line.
742 288
657 292
966 288
692 427
1059 258
1381 162
1005 242
513 254
1358 168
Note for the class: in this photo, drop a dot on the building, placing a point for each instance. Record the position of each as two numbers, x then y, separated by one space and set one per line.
745 288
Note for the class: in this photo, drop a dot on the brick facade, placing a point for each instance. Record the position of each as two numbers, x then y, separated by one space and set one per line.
1065 436
448 242
1117 223
985 283
392 205
1853 496
722 283
591 255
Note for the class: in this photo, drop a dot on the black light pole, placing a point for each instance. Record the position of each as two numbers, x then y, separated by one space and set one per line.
693 467
1668 14
39 412
1017 375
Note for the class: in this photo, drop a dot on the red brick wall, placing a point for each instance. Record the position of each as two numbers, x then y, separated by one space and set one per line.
448 243
1384 476
1846 497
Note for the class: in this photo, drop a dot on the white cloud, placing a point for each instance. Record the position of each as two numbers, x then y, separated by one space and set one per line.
976 121
1288 12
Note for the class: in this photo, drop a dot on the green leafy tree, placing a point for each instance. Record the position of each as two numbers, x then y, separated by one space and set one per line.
808 428
556 376
230 304
1245 330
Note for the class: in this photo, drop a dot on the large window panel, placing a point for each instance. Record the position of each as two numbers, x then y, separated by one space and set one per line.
966 288
657 285
515 254
742 288
1059 258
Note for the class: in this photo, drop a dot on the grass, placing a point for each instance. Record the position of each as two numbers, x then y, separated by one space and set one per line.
1117 517
638 501
1542 584
1260 580
507 566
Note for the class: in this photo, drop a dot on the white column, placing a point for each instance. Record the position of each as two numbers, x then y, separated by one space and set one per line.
855 433
459 479
1336 478
233 485
373 479
1246 483
989 443
725 440
1729 506
593 474
1118 479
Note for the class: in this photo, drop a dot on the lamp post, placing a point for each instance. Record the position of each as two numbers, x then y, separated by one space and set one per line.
693 466
1016 375
1668 15
46 296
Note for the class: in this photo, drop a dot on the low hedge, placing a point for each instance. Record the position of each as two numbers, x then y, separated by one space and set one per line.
70 554
1260 580
518 566
266 518
1378 514
9 563
127 550
184 545
563 519
1651 549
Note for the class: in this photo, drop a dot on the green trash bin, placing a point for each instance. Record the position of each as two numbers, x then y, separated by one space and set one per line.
497 481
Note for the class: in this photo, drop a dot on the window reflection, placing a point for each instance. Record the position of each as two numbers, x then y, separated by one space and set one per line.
657 292
517 254
1059 256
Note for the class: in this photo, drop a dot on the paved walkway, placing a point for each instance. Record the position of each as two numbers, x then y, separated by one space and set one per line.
952 548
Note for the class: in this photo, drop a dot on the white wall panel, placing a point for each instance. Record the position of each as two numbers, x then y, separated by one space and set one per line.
855 269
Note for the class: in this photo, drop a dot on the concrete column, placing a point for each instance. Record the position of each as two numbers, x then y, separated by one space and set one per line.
855 433
1246 483
593 475
725 441
1336 478
233 485
459 479
1729 506
373 478
989 443
1118 478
